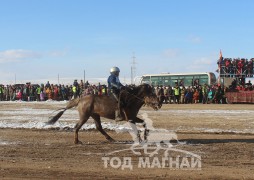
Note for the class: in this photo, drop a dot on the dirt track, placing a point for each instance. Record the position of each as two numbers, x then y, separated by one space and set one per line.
47 154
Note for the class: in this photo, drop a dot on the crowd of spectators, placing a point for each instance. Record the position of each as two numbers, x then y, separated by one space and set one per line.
200 93
44 92
193 94
178 94
235 67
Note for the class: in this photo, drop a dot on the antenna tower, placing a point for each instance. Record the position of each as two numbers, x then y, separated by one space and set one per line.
133 68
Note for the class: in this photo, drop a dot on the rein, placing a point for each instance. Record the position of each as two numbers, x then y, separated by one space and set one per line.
145 103
131 94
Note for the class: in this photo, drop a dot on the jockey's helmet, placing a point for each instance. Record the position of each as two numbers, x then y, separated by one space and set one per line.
115 71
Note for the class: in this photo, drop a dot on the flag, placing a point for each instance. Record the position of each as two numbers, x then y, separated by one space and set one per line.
220 59
219 63
220 55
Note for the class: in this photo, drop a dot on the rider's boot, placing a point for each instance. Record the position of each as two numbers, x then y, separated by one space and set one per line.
118 116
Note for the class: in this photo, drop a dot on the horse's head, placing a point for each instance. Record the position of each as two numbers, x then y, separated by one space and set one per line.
153 102
150 97
143 93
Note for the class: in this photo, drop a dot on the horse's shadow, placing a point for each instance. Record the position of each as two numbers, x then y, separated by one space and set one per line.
153 139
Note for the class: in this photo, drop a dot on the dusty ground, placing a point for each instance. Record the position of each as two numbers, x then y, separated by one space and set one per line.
48 154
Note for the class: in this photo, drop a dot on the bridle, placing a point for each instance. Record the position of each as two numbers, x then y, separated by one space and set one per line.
140 99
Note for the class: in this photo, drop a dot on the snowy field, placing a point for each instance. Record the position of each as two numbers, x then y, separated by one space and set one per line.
179 118
221 134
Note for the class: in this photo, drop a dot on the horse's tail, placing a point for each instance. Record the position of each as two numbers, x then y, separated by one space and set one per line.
72 103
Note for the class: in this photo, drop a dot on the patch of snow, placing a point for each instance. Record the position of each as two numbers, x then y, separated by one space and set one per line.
28 118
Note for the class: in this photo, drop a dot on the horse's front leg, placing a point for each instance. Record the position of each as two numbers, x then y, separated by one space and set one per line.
146 131
136 132
139 137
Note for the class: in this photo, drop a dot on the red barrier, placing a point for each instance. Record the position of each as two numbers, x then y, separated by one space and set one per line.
240 97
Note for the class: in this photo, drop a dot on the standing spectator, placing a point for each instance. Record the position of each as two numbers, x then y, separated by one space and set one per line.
52 91
204 92
196 96
95 90
38 92
182 98
75 89
166 94
19 95
200 94
250 68
210 95
88 90
12 93
1 92
176 94
4 92
55 93
86 85
240 65
227 65
196 83
218 95
49 93
170 94
75 83
70 92
47 85
104 90
81 87
63 92
7 93
59 87
161 94
223 98
26 92
188 96
99 88
30 96
42 96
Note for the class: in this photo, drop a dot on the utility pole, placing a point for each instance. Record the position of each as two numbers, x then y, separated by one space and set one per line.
84 76
58 78
133 68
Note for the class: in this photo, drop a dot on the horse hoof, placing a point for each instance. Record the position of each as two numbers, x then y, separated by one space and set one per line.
111 140
78 142
143 142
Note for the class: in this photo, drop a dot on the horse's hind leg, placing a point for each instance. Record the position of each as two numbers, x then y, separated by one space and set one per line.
97 121
82 121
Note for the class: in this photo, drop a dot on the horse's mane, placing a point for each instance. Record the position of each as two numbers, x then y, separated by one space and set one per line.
135 90
134 94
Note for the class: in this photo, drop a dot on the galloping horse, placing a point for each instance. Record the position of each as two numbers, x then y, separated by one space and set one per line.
95 106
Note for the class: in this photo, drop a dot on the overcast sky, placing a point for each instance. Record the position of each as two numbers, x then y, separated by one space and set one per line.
40 39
